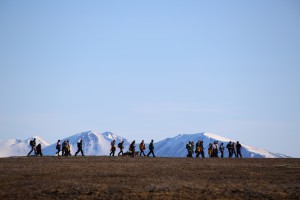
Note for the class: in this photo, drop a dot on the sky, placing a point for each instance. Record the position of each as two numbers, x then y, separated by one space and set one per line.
152 70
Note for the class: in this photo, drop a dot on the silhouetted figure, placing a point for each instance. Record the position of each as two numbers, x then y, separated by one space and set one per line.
151 149
79 146
112 148
238 149
39 150
201 149
230 149
215 149
222 150
198 148
210 150
121 147
32 143
234 149
142 148
190 149
132 148
58 147
68 148
63 148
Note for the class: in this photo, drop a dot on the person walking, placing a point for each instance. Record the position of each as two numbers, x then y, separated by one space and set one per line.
151 149
210 150
238 149
58 147
229 148
33 147
39 150
121 147
188 147
112 148
215 149
202 149
142 148
233 146
198 149
63 148
222 150
79 146
132 148
68 148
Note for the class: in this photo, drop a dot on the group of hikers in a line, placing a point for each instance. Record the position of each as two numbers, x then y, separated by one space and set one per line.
131 151
65 148
214 149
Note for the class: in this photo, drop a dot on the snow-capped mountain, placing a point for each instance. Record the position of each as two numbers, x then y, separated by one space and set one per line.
99 144
17 147
175 147
93 143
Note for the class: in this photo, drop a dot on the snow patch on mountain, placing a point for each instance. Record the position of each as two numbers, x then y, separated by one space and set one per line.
94 144
175 147
17 147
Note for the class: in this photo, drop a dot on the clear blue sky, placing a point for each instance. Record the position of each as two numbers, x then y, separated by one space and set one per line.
152 69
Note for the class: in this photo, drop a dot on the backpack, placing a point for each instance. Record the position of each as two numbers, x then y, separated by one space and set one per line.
31 143
120 145
79 145
187 146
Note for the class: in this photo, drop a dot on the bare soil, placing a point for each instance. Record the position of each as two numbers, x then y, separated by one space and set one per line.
148 178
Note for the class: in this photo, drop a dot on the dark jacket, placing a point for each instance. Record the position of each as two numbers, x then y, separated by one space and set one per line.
151 146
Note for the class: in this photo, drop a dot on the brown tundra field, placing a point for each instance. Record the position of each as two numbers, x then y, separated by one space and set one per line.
148 178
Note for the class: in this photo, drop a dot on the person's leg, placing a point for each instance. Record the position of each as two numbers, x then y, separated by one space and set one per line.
34 148
153 153
30 151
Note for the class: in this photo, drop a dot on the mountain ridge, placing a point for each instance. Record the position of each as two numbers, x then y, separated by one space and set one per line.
98 144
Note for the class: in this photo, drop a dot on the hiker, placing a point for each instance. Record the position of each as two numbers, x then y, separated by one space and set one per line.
63 148
215 149
112 148
238 149
39 150
222 150
233 147
210 151
121 147
142 148
188 146
229 148
58 147
79 146
198 148
33 148
132 148
67 148
190 149
151 148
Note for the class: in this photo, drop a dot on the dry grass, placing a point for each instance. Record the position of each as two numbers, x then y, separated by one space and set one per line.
148 178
